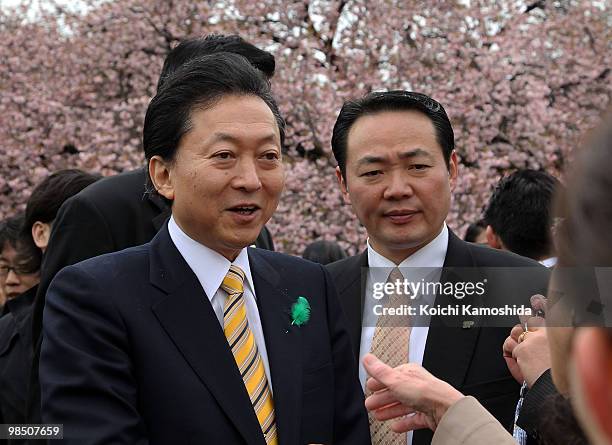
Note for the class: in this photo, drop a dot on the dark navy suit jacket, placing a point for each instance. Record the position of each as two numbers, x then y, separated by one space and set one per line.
133 353
471 358
110 215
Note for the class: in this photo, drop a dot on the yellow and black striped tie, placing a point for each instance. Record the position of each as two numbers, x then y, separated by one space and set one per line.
242 342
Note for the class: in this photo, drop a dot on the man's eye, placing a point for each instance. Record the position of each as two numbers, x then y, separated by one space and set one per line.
420 166
271 156
372 173
223 155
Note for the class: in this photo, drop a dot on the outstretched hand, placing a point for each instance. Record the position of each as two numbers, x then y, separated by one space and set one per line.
408 393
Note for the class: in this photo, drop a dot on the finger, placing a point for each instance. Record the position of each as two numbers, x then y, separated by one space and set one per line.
392 411
508 346
374 385
514 369
379 370
409 423
516 331
517 351
379 400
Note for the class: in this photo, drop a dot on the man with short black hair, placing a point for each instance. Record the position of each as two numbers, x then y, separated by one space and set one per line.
518 215
519 219
194 337
397 167
119 211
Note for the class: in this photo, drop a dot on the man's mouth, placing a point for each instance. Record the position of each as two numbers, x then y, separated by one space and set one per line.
401 212
244 209
400 215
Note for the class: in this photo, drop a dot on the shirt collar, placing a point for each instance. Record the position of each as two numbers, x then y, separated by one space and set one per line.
549 262
209 266
432 255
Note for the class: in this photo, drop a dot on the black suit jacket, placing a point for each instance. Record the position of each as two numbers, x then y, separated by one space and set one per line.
470 359
132 352
15 351
110 215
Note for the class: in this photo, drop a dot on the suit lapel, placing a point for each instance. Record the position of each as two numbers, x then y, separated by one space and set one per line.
351 292
190 321
283 348
450 345
449 350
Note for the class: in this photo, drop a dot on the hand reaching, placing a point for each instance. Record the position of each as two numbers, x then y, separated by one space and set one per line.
407 389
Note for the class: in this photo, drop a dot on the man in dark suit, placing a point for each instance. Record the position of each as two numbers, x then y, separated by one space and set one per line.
194 337
397 167
118 212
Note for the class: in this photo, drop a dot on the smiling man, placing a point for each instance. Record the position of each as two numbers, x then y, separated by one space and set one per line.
397 167
191 337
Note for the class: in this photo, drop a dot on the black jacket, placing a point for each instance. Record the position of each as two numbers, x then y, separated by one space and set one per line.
133 353
15 357
469 358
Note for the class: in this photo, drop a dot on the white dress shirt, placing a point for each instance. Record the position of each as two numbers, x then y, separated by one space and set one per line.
210 268
429 256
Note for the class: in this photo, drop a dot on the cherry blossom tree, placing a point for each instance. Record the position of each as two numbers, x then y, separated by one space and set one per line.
520 81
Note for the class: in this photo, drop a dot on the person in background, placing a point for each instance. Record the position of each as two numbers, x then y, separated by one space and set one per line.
578 333
17 271
519 219
324 252
476 233
28 241
518 215
2 277
121 211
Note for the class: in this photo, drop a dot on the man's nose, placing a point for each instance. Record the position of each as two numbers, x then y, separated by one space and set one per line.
399 185
247 177
12 279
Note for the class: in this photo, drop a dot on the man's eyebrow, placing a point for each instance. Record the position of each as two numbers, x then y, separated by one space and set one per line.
370 159
226 137
414 153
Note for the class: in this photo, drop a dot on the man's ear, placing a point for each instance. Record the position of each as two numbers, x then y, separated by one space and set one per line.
40 234
453 169
492 239
161 176
343 187
591 382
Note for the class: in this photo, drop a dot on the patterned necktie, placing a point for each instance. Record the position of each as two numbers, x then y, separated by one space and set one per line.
246 354
390 344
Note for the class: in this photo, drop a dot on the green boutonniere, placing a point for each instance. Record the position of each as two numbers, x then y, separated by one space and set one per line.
300 312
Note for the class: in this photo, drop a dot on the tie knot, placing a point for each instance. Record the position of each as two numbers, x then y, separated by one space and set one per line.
233 281
395 275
